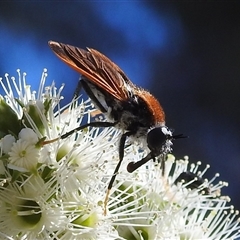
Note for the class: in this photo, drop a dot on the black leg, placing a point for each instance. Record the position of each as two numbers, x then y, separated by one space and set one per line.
121 155
78 89
89 92
83 84
132 166
163 159
91 124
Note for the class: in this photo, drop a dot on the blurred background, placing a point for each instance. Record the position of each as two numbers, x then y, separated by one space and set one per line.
186 53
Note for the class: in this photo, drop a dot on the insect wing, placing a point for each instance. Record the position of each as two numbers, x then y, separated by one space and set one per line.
96 67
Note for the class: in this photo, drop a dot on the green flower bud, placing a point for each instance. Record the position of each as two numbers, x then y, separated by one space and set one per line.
9 122
36 112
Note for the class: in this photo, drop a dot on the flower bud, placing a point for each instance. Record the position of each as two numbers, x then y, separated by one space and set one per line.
9 122
35 112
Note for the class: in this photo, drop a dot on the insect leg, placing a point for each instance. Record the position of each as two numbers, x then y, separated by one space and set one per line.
89 92
91 124
163 159
121 155
132 166
78 89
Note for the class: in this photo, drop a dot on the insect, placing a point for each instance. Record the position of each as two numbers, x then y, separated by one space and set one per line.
126 106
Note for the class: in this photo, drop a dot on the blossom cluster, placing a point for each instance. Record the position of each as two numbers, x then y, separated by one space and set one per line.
53 188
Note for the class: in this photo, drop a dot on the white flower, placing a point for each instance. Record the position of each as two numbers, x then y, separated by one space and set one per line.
26 210
53 188
24 155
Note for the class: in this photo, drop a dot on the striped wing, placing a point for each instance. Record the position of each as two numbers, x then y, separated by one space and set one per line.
96 67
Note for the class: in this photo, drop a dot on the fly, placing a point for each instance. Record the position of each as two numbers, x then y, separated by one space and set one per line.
126 106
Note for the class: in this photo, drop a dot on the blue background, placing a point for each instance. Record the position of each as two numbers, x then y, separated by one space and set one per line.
186 53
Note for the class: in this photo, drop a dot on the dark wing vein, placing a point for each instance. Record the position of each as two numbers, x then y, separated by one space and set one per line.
96 67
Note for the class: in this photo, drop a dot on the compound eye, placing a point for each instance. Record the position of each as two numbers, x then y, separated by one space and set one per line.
156 137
